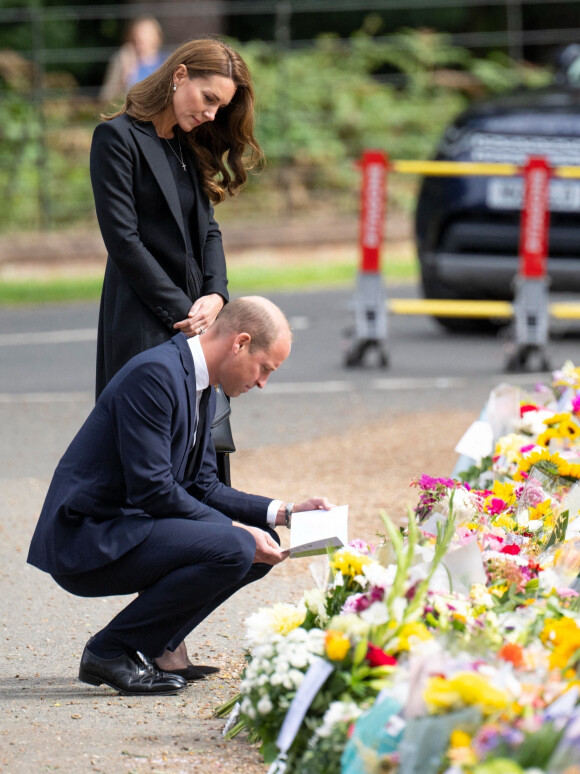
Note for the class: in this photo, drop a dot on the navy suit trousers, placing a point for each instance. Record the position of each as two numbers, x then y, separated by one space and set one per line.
183 571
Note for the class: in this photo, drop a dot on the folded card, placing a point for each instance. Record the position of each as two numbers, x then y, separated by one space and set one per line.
312 532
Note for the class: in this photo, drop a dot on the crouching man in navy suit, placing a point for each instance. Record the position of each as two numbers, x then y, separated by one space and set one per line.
135 504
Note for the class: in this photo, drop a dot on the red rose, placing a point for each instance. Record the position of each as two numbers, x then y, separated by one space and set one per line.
377 657
511 549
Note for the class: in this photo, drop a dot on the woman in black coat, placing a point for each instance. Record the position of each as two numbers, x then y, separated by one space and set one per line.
182 142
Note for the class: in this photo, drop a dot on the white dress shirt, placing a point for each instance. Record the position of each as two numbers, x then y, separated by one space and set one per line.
201 383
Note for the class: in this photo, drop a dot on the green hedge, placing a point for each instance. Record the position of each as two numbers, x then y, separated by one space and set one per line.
318 108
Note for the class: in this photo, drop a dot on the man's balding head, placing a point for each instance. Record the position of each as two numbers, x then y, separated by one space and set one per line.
249 340
255 315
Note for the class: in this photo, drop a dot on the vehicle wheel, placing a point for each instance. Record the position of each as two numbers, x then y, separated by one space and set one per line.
434 288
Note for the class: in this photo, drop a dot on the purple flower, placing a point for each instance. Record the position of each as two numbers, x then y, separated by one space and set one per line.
356 603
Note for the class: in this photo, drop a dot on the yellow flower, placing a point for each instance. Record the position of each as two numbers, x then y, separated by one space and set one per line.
505 491
556 419
464 688
336 644
541 510
561 466
569 428
349 562
545 437
509 446
505 521
460 752
412 631
570 376
564 636
459 738
569 469
285 618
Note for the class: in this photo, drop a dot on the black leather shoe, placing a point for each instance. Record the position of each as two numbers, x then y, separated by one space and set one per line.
131 674
191 672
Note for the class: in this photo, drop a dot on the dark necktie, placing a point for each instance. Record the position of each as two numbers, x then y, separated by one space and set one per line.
201 419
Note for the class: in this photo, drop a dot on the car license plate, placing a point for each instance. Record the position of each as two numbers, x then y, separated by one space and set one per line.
505 193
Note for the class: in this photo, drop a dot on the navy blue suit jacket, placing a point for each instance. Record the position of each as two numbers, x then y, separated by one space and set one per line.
126 467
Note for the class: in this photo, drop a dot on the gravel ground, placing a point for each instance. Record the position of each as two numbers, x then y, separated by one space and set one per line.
51 722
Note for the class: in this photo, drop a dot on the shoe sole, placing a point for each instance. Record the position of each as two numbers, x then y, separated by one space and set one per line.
85 677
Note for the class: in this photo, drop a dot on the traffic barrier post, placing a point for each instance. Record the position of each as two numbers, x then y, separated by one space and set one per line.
531 309
370 312
531 285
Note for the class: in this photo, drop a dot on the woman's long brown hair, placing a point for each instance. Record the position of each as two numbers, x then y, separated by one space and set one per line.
225 147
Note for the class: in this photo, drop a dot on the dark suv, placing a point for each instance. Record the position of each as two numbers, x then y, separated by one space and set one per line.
467 228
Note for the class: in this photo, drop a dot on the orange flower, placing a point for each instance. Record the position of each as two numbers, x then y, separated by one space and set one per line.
513 653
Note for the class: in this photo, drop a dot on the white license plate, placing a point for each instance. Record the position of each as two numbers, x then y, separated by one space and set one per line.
505 193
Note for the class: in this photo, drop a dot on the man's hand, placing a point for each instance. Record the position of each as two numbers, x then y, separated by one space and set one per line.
312 504
267 550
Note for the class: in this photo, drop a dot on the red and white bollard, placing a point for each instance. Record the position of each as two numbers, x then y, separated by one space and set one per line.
531 305
370 300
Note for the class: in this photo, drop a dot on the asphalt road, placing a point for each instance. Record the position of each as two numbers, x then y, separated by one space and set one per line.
47 371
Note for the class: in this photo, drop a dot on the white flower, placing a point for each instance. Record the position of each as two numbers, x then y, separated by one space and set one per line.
532 422
380 576
299 658
351 624
376 614
398 609
293 679
265 706
315 601
464 506
338 712
280 618
480 595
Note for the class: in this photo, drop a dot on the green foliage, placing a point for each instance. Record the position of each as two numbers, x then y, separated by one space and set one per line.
318 109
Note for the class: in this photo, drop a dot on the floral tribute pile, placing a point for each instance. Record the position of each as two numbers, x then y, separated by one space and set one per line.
453 645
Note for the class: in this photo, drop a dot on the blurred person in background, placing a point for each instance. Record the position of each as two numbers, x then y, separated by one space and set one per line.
139 56
183 141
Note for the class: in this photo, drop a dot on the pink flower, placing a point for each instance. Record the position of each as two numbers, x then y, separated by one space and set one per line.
464 536
566 592
361 546
576 404
528 447
496 505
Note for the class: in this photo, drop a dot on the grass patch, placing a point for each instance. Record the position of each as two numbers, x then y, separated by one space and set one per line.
49 291
249 278
311 276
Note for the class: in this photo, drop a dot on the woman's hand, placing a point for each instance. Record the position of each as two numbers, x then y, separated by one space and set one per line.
201 315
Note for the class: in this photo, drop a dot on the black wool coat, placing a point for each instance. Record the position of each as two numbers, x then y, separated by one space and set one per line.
145 286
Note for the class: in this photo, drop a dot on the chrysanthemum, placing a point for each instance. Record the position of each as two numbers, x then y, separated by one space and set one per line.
349 562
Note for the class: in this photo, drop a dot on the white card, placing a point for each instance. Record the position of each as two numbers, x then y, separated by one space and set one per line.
312 532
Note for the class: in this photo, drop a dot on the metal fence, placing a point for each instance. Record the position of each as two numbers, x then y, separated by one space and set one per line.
46 127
